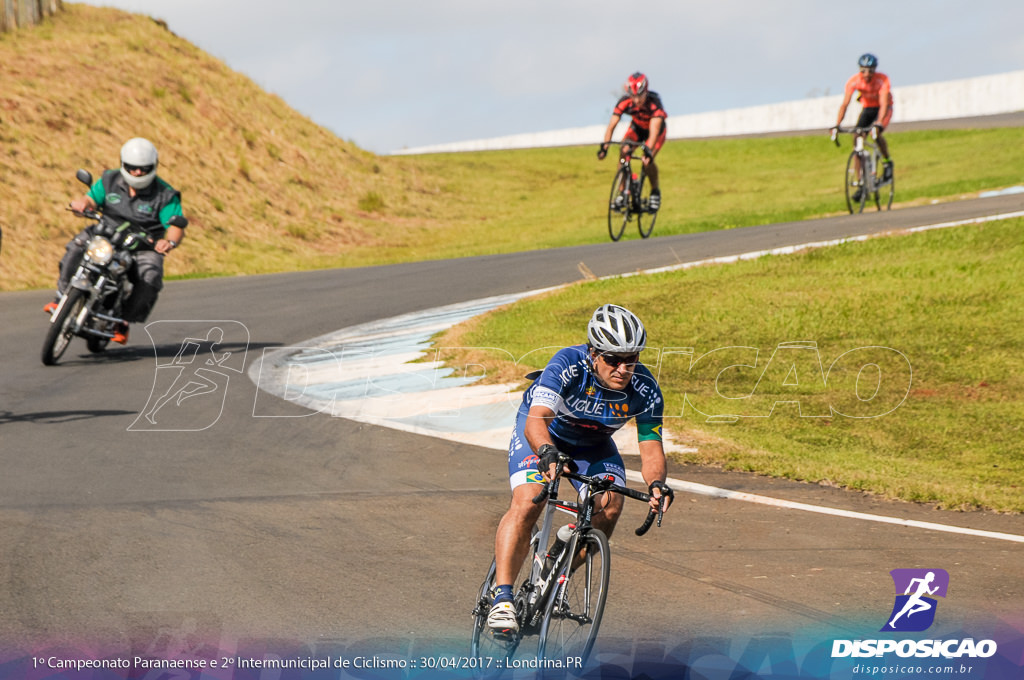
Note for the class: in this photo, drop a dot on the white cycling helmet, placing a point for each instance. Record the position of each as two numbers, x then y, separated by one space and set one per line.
616 329
138 153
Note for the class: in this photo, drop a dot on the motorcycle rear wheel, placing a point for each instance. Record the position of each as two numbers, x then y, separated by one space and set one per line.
61 330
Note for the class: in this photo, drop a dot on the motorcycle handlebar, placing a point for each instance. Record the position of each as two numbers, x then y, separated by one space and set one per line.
89 214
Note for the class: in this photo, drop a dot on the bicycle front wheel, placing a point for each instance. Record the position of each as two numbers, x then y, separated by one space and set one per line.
645 217
485 644
618 204
573 612
856 194
886 189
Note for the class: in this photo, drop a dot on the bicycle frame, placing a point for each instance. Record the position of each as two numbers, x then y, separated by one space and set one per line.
542 594
862 170
627 200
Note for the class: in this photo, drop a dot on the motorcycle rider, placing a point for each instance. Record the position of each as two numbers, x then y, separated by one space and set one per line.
132 193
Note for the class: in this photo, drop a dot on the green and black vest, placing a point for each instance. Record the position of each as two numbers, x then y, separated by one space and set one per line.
144 209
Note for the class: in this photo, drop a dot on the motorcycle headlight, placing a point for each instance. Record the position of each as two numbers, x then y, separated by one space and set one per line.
99 250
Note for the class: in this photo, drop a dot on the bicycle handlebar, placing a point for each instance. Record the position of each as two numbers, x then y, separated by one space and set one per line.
599 485
869 130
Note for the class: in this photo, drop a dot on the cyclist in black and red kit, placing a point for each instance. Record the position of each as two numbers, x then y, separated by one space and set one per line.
647 123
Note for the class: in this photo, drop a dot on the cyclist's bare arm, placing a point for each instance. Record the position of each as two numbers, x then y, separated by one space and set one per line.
656 124
653 467
842 107
536 431
883 106
652 138
612 124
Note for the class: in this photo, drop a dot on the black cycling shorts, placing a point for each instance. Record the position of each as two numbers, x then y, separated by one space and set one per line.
868 115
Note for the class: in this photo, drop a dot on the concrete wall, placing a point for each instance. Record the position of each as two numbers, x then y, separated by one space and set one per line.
981 96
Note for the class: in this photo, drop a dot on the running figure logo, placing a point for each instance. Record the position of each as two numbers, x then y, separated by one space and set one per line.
195 361
914 609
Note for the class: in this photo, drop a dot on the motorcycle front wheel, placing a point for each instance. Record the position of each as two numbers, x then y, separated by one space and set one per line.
62 328
97 345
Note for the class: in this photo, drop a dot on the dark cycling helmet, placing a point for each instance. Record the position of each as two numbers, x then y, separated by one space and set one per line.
616 329
637 83
868 61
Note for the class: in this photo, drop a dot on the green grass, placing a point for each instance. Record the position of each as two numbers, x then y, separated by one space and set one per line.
537 198
938 313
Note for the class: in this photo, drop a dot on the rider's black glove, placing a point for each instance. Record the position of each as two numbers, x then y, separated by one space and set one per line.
602 151
548 455
647 151
666 490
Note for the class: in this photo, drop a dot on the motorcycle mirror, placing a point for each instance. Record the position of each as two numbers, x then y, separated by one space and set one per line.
178 221
84 176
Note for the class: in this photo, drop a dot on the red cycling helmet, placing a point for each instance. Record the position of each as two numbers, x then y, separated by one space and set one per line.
637 84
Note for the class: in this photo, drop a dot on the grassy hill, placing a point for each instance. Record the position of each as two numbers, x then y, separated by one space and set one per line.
264 187
268 190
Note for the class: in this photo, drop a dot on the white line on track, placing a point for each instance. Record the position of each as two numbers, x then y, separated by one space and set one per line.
788 250
705 490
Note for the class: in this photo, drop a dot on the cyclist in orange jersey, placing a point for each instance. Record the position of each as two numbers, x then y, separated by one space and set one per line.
875 94
647 126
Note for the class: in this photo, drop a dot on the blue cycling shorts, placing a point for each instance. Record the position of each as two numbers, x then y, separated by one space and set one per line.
602 458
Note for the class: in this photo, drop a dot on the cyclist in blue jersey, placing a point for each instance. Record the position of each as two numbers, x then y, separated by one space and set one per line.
583 396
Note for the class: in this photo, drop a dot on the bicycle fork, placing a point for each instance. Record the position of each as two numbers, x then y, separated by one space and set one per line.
866 161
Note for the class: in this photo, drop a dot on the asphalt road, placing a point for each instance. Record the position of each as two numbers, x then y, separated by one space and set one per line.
312 531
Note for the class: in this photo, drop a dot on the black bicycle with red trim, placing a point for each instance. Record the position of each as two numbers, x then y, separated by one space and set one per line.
564 587
631 195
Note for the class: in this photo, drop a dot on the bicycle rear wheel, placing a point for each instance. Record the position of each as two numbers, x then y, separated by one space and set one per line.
645 217
573 612
618 210
855 193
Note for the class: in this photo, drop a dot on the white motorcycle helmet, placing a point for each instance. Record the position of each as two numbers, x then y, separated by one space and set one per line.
138 153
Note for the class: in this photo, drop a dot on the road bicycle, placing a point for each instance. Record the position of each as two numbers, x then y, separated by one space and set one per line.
564 587
865 174
631 197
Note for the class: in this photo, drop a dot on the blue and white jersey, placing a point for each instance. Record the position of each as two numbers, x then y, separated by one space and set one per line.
587 413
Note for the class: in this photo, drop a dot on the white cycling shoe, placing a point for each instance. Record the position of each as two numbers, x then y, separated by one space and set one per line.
502 618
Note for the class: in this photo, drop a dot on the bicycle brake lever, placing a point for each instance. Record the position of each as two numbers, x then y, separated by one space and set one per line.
542 496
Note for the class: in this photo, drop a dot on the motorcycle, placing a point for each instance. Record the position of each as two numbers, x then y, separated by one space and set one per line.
91 305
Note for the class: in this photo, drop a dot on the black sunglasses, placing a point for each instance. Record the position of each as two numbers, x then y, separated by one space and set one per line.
146 169
616 360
